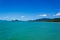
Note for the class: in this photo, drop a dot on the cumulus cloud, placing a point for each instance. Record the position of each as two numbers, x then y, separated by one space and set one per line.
22 16
43 15
57 14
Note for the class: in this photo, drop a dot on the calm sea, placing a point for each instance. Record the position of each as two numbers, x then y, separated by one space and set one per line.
29 31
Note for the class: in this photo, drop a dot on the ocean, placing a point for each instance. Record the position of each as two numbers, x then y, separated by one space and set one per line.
29 30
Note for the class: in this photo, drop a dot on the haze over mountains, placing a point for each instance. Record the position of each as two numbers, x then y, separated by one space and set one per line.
36 20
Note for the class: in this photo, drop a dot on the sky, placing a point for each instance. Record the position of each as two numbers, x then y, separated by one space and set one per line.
29 9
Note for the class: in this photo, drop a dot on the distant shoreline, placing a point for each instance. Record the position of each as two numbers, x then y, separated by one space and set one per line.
37 20
46 20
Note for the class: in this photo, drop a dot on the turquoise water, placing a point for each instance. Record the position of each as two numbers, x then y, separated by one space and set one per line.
29 31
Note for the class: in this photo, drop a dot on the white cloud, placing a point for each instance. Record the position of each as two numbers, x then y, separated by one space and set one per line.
57 14
43 15
22 16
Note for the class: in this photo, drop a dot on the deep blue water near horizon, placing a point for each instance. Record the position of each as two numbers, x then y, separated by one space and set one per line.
29 30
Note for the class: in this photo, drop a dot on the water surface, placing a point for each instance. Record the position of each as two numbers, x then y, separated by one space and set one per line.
29 31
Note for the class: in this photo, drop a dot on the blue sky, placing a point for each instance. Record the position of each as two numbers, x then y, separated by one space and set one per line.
29 9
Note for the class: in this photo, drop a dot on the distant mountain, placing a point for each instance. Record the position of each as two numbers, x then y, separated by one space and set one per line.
36 20
16 21
47 20
42 19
